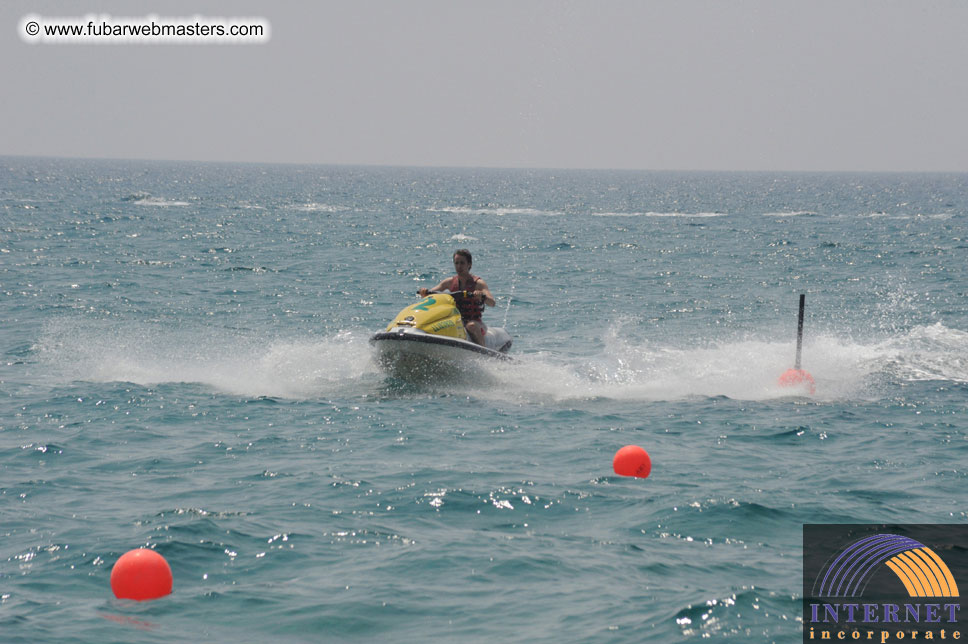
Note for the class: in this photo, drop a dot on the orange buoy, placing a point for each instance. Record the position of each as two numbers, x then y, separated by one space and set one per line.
798 378
632 460
141 574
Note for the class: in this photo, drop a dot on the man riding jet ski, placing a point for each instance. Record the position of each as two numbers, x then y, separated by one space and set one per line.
471 307
444 329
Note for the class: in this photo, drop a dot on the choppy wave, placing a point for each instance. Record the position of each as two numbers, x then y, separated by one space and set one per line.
500 211
792 213
317 207
686 215
145 199
902 216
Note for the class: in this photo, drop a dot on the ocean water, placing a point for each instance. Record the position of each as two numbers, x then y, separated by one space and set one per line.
185 366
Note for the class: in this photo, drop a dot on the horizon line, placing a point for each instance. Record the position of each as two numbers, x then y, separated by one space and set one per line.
418 166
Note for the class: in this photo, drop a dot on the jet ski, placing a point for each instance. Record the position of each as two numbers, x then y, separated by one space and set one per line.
428 339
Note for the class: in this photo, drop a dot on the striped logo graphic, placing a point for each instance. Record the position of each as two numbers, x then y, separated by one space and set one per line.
922 572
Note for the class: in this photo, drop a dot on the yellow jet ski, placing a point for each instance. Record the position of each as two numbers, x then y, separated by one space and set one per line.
428 338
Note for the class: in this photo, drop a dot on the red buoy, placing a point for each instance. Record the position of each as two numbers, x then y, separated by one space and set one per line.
632 460
141 574
798 378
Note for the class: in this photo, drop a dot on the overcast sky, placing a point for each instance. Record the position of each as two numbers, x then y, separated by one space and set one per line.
673 84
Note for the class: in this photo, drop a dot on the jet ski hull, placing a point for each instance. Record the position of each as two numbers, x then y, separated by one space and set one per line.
410 354
427 341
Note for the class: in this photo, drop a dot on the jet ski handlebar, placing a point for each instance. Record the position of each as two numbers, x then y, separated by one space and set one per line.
453 293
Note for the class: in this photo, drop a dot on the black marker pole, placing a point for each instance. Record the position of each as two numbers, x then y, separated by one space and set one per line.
797 377
803 297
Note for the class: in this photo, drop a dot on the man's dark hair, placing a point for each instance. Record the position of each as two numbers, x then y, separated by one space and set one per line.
466 254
